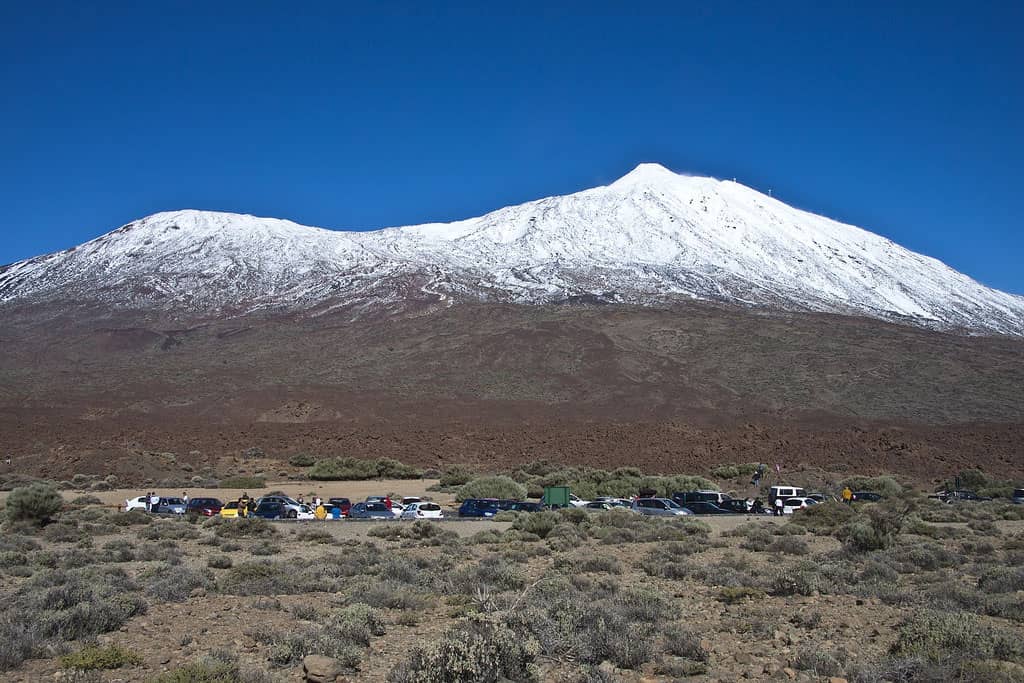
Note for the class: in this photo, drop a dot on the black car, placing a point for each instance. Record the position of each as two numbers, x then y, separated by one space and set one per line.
523 506
270 510
735 505
701 507
867 496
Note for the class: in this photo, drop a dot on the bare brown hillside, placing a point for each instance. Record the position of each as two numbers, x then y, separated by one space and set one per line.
668 389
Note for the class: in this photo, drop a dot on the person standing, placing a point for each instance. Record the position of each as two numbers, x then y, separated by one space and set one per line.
847 495
778 507
243 505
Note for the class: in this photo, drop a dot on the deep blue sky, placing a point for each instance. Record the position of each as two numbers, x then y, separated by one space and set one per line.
904 118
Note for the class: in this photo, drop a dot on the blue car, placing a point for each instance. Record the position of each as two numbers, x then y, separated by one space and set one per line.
479 507
270 510
371 510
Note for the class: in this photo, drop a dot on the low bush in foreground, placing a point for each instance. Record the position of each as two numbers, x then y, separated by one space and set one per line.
96 657
35 504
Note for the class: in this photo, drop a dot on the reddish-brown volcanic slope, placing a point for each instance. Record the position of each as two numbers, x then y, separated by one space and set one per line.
673 389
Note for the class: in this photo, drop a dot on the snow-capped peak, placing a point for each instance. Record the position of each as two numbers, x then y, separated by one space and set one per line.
650 236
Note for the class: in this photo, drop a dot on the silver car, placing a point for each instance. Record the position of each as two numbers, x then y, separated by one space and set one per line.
659 507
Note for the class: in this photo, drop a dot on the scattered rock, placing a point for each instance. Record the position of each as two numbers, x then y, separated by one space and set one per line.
790 673
320 669
743 658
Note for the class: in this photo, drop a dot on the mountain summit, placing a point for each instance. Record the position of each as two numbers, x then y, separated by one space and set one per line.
647 238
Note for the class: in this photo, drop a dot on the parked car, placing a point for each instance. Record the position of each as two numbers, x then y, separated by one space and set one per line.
422 510
205 507
479 507
343 505
371 510
659 507
524 506
306 512
409 500
823 497
137 503
598 505
737 505
290 505
784 492
168 506
706 496
614 502
866 496
386 500
576 502
703 507
791 505
964 494
269 509
230 509
1018 496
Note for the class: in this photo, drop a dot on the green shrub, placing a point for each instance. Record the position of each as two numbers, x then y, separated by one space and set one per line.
538 523
478 650
243 482
216 667
885 484
492 487
456 476
301 460
245 527
35 504
355 469
734 471
219 562
96 657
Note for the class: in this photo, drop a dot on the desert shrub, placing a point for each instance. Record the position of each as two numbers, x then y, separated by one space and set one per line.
314 535
456 476
215 667
599 563
732 595
245 527
291 645
129 518
682 642
355 469
824 519
494 573
96 657
301 460
388 594
875 530
734 471
64 605
265 548
35 504
610 636
886 485
82 501
477 650
219 562
65 531
170 583
1002 580
789 545
538 523
169 529
267 578
492 487
119 550
956 640
821 661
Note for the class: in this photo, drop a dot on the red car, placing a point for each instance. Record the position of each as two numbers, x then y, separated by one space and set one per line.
206 507
343 504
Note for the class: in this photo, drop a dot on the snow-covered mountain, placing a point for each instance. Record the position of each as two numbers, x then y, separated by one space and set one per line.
647 238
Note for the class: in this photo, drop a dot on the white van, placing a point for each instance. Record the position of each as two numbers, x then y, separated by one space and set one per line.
785 492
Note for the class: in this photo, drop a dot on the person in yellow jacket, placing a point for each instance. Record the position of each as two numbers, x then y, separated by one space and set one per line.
847 495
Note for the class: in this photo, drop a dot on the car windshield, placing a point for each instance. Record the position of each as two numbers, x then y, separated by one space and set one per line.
1018 493
173 501
429 506
232 505
672 504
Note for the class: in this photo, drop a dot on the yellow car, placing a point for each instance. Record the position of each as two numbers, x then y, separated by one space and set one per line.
230 509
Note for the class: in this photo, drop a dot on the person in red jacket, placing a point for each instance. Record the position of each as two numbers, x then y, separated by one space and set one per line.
387 501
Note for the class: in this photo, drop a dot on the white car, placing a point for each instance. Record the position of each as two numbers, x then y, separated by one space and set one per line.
397 509
305 512
577 502
139 503
409 500
791 505
422 510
